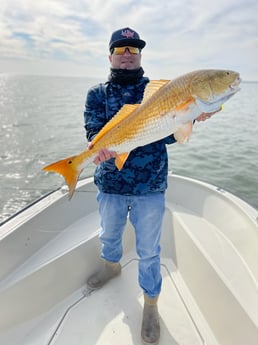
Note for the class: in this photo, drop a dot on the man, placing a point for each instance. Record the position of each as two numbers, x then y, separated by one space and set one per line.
138 189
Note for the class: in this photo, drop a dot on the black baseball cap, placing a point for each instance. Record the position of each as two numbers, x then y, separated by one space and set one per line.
124 37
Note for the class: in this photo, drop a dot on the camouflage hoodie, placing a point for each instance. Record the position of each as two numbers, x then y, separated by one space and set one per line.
146 167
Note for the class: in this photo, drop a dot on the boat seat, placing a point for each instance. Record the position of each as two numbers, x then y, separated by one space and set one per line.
64 255
71 237
215 273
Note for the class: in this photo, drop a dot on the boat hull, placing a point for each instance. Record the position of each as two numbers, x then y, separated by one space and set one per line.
209 267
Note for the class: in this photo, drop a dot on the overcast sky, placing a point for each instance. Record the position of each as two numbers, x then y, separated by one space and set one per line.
70 37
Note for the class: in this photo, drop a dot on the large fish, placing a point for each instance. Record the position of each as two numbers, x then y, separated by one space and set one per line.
167 107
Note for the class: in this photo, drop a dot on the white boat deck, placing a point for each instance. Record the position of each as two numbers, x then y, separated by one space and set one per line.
209 268
119 318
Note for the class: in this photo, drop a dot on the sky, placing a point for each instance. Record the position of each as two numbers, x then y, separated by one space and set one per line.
70 37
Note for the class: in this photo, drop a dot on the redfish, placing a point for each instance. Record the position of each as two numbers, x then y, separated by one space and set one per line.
168 107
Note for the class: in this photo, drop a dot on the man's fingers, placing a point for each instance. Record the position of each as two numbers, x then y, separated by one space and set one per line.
205 116
104 155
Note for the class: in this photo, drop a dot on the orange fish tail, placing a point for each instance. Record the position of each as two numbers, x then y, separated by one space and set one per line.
69 169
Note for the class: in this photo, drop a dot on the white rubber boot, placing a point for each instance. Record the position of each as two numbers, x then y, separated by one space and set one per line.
108 271
150 322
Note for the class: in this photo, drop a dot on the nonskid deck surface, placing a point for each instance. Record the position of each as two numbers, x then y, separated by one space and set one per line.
112 315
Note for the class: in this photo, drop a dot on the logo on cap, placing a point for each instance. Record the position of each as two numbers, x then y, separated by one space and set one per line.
127 33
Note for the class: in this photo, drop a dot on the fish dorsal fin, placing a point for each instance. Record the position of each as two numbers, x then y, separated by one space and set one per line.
152 87
122 114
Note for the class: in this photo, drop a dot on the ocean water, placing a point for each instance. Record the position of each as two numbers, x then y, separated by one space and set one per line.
41 121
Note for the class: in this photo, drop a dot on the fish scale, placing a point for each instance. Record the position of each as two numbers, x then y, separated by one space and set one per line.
168 107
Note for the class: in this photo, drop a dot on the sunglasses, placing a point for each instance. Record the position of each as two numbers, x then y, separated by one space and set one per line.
122 50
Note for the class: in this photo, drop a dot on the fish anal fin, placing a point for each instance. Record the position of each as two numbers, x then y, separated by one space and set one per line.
152 87
121 159
183 133
121 115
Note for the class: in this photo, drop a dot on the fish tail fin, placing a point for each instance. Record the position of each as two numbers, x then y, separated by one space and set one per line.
69 168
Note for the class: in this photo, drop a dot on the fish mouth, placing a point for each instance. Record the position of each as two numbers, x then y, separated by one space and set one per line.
234 87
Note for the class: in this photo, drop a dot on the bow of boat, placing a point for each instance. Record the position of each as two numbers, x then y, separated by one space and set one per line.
209 267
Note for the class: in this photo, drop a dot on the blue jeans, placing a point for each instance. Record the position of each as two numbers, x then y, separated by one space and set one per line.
146 214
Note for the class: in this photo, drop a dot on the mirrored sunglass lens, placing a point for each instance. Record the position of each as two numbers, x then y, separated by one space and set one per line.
121 50
134 50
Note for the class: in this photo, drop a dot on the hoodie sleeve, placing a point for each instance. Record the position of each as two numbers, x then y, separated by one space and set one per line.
94 112
170 140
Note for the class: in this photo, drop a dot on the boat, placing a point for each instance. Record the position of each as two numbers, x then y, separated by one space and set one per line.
209 263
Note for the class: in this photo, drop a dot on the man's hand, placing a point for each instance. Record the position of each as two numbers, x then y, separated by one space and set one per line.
103 155
205 116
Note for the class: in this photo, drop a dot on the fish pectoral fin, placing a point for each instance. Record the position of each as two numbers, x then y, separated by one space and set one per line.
152 87
184 105
121 159
183 133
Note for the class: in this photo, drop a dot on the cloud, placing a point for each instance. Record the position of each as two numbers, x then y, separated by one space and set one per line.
181 35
